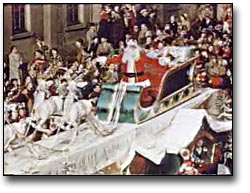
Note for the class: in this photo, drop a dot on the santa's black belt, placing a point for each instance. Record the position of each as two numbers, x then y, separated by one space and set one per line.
132 75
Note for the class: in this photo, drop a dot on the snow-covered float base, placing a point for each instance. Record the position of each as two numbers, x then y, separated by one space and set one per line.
91 152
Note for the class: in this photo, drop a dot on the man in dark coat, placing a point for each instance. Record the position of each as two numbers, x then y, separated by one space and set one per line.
173 25
105 16
207 20
144 18
117 27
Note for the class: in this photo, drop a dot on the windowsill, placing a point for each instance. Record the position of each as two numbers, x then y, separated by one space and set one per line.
22 35
75 27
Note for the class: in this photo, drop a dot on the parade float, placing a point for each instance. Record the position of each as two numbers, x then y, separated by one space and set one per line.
148 124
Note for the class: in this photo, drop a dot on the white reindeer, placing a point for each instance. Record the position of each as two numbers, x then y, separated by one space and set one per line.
42 90
13 131
70 110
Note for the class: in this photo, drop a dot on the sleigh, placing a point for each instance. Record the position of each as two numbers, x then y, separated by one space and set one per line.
169 88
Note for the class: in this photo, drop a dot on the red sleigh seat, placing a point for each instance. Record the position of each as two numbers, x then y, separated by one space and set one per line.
150 94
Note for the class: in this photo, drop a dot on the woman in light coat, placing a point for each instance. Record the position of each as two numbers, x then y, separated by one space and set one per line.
14 63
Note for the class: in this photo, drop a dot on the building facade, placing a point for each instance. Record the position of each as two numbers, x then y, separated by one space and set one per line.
61 24
58 24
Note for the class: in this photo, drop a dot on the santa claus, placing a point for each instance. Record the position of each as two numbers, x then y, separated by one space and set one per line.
132 63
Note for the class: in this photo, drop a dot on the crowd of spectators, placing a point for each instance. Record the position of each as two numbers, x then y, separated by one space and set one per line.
118 24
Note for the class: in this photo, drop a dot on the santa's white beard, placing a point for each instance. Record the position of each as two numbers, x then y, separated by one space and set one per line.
130 56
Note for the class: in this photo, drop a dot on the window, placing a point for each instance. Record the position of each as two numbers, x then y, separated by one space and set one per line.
72 14
18 19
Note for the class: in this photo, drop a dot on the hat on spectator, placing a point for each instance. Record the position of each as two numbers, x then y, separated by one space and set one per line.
80 40
21 106
38 37
185 154
143 11
91 24
39 51
50 83
204 30
95 81
218 27
81 84
210 28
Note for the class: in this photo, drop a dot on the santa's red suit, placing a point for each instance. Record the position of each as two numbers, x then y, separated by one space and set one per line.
134 74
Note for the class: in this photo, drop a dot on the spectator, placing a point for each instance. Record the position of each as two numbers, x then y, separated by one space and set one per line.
14 63
91 33
160 36
110 75
55 59
184 22
153 20
25 95
32 80
38 63
6 67
84 56
40 45
228 17
144 19
199 153
51 125
142 34
173 25
129 17
104 25
121 47
105 48
12 88
79 47
135 32
207 19
93 47
117 27
196 27
149 41
22 112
